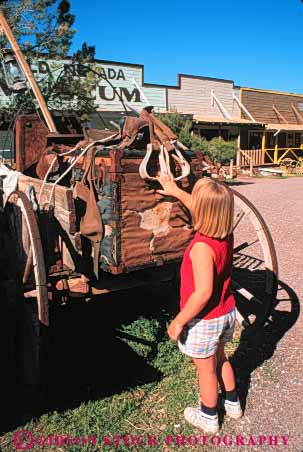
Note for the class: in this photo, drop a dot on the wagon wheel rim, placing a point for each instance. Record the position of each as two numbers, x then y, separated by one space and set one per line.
33 263
255 274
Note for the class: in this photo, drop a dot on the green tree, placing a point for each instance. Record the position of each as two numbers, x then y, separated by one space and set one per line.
217 149
182 126
74 91
41 26
45 27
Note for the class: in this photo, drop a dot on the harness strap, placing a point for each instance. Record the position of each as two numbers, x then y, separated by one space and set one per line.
164 163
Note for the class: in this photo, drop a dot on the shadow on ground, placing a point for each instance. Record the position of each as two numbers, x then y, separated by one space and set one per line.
258 346
240 182
87 359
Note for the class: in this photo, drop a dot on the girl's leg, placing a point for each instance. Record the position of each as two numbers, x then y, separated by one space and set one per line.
225 372
208 382
226 378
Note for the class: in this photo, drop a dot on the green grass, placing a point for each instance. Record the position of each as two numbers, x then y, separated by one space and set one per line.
230 181
150 409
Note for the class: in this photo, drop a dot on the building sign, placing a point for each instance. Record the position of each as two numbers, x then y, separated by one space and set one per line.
107 92
118 80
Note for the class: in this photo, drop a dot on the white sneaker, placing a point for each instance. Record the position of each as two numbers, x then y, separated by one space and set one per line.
233 409
195 417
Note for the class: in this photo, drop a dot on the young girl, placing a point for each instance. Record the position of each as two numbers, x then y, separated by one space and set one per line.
206 320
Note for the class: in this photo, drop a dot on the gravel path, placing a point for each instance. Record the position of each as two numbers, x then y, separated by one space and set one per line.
270 375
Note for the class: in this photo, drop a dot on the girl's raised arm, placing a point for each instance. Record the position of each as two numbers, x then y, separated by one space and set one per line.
170 188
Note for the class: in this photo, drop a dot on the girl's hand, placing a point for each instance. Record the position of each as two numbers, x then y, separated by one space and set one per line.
169 186
174 330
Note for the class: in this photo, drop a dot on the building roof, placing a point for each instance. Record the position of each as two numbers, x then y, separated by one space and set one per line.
221 120
282 126
268 91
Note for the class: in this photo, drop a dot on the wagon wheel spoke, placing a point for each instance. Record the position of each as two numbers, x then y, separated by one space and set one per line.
245 245
249 306
28 266
255 271
256 306
238 219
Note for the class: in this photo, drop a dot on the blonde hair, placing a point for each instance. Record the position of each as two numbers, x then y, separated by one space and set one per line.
212 208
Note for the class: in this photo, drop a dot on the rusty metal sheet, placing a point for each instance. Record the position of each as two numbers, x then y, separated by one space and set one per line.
31 135
143 228
154 229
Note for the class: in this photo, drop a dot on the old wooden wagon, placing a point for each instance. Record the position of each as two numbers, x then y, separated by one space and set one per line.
137 229
85 210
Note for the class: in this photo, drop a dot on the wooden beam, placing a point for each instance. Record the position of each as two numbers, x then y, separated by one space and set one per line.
279 114
297 113
263 147
224 111
276 150
239 148
242 107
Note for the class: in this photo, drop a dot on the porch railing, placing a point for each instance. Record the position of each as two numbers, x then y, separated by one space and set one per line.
267 155
276 154
250 157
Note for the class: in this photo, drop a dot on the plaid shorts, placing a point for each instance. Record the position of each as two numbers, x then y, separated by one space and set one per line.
200 338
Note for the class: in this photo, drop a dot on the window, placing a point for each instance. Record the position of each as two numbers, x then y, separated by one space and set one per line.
254 140
282 140
298 140
270 140
214 133
290 140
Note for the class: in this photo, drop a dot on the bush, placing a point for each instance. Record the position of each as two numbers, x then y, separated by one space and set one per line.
222 151
217 149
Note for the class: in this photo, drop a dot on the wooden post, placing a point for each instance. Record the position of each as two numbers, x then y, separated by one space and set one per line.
263 148
27 72
231 168
251 167
238 149
276 150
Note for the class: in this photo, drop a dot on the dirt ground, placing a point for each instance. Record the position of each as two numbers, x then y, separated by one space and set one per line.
274 383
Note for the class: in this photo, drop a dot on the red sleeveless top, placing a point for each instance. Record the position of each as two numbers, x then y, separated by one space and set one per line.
222 300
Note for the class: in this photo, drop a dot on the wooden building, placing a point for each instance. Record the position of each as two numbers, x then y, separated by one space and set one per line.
196 95
282 134
214 104
267 124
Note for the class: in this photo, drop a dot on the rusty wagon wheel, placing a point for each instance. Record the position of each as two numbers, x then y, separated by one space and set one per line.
32 318
255 274
29 260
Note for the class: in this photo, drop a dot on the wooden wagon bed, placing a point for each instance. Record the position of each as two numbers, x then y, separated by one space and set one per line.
141 228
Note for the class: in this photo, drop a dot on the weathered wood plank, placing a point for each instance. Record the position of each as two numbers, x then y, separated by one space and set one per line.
63 195
64 208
